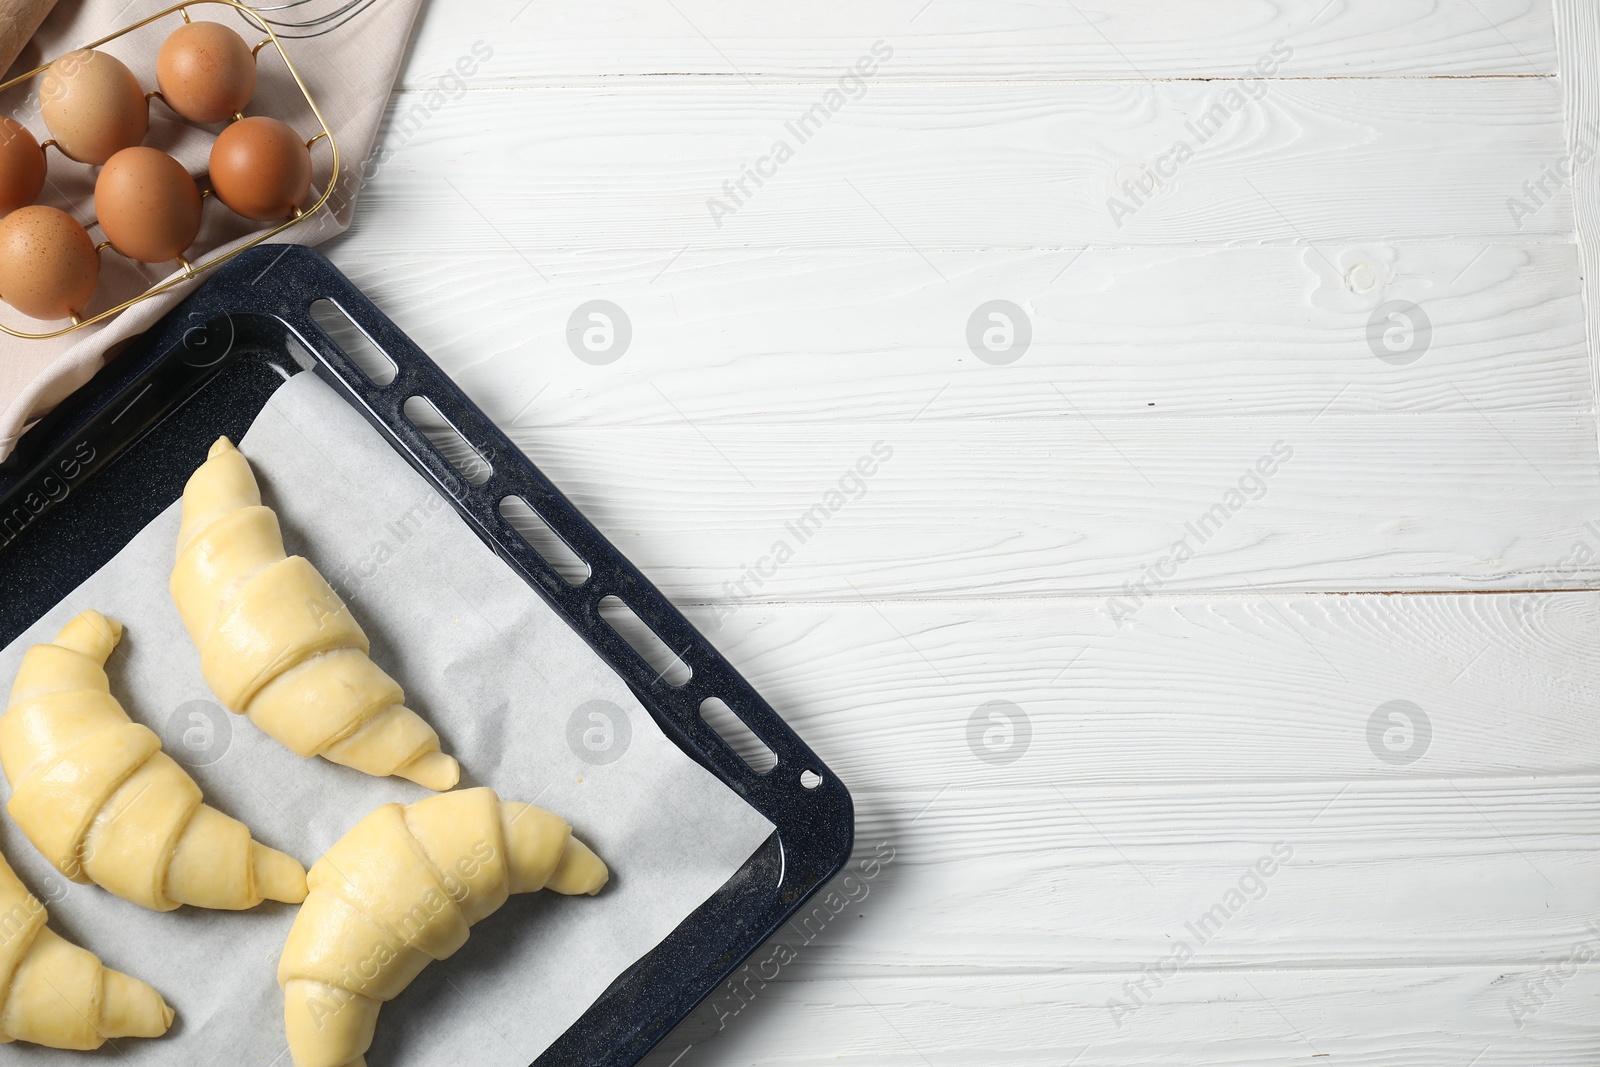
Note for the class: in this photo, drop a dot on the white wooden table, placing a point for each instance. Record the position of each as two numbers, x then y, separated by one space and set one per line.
1189 826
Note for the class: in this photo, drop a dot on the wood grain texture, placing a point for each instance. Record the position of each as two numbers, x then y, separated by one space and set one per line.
758 336
1203 691
981 881
935 169
1444 1017
1580 52
546 42
1397 155
1090 507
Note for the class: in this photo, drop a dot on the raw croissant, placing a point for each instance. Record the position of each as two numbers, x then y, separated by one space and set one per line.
94 792
278 644
54 993
398 892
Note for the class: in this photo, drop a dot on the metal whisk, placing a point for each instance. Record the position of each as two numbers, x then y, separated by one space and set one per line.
315 26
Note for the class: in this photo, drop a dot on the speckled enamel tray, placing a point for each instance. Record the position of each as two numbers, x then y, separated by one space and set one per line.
97 470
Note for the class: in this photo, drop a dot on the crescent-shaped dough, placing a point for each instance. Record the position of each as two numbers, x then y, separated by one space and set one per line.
276 642
399 891
56 994
94 792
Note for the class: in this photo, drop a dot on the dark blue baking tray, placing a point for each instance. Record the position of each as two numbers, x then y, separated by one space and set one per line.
99 468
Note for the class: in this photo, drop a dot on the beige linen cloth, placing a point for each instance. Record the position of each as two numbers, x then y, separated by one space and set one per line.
349 73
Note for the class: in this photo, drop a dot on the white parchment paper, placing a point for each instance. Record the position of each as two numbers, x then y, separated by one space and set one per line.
516 696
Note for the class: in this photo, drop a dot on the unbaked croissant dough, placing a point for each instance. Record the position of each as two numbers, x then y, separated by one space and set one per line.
400 891
278 644
54 993
96 795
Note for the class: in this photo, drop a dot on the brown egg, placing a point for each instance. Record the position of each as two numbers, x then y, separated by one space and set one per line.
93 105
206 72
48 265
22 166
261 168
148 206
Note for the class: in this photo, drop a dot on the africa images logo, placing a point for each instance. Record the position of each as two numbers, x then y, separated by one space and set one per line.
1250 486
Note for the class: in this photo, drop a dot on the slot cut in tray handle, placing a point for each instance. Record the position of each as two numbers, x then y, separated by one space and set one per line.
433 421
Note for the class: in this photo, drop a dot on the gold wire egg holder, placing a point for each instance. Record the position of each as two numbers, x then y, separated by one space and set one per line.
187 270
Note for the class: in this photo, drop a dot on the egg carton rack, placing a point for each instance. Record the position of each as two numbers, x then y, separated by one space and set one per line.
187 271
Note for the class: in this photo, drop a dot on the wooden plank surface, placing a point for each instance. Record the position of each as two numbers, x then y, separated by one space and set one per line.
1428 761
1203 691
758 336
1090 506
545 42
1371 1017
1580 45
1161 860
938 168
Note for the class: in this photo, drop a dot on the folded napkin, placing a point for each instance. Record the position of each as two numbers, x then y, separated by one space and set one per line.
349 72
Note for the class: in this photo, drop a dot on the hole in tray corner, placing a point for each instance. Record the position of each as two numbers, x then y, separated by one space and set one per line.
353 341
810 779
467 460
737 735
668 665
542 538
